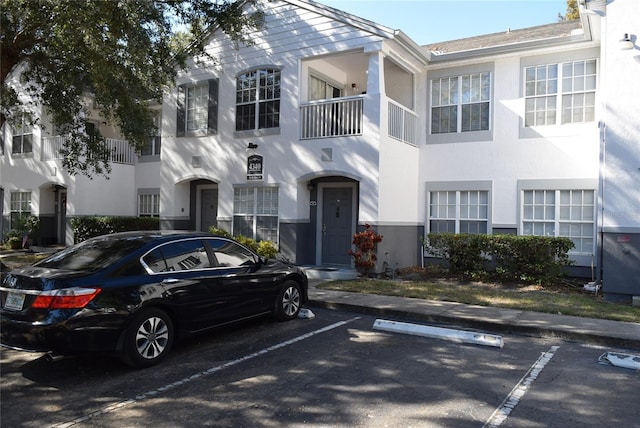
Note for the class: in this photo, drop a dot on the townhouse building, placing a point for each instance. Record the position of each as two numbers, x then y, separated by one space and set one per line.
328 122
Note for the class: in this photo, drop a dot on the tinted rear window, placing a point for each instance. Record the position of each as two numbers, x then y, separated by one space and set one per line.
92 255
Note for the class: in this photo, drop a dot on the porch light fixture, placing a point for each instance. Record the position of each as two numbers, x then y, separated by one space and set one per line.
252 146
626 43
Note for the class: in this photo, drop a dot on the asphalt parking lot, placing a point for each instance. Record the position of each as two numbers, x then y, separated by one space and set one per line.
333 370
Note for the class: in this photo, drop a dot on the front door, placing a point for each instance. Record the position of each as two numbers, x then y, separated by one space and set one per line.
208 208
337 225
61 217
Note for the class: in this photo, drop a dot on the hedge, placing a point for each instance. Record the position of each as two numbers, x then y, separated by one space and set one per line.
538 259
88 227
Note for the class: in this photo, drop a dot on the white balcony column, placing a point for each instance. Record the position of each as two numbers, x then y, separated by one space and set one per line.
374 107
375 73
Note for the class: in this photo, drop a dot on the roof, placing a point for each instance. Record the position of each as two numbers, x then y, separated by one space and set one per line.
555 31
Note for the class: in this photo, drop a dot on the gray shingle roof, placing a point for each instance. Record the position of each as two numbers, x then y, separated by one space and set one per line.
509 37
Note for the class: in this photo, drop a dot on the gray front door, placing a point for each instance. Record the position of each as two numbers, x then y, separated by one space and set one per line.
208 209
337 225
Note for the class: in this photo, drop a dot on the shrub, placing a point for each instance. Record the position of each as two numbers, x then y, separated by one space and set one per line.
464 253
365 257
218 231
530 258
89 227
263 248
516 258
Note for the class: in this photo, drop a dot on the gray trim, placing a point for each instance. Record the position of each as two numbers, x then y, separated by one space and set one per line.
558 184
432 186
555 58
252 184
460 186
148 158
262 132
461 137
149 191
621 229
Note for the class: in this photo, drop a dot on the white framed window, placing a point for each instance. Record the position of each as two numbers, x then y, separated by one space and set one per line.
22 141
561 213
19 206
197 109
461 103
258 99
197 99
461 211
255 213
149 205
560 93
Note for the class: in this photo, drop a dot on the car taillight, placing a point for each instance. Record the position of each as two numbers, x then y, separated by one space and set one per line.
65 298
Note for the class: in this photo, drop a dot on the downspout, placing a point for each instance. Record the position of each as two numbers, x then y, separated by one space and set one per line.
601 186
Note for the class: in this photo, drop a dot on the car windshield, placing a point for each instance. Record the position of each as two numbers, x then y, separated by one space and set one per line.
93 254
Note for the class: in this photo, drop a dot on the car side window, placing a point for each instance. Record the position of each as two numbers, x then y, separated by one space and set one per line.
230 254
176 256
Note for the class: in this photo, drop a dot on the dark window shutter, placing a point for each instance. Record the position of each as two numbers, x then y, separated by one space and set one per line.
181 111
212 114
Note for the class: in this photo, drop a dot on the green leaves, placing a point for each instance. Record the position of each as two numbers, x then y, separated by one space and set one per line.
122 53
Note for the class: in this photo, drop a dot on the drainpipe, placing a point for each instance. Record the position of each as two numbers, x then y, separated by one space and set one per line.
602 183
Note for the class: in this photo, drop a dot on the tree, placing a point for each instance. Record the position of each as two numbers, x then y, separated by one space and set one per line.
122 52
572 11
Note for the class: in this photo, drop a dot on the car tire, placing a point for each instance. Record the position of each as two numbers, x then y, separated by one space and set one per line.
148 339
288 301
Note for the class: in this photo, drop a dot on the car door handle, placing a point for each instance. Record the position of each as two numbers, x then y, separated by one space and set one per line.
170 281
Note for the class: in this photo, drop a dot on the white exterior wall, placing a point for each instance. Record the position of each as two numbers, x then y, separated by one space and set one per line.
562 152
286 158
621 91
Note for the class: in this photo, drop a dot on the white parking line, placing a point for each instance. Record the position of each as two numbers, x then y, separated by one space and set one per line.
212 370
501 413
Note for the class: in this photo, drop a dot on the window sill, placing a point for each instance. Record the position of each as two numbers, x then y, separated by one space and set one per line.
256 132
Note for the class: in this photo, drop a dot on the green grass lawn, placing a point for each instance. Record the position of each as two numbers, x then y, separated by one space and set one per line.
561 298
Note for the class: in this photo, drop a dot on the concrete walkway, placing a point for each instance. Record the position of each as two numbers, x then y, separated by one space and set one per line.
471 317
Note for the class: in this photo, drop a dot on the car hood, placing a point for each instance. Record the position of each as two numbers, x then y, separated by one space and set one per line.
37 278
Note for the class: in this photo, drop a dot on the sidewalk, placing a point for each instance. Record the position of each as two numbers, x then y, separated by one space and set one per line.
471 317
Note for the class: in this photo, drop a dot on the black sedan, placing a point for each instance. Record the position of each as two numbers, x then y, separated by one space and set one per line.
135 293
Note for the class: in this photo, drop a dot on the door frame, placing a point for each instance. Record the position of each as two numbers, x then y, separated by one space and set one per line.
320 210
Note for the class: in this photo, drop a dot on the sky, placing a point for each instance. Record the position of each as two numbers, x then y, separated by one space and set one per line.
430 21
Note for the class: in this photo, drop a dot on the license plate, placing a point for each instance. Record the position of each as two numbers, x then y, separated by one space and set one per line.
14 301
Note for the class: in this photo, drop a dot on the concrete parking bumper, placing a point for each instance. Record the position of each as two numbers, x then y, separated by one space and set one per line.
499 320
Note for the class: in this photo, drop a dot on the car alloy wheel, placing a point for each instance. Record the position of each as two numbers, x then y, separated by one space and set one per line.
148 339
288 303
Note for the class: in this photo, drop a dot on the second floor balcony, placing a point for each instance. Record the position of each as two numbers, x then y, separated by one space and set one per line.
343 117
119 151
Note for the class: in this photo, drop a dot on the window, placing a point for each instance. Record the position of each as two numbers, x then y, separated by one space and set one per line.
461 103
255 213
20 206
197 112
566 213
22 136
176 256
229 254
321 90
154 144
149 205
560 93
459 211
258 100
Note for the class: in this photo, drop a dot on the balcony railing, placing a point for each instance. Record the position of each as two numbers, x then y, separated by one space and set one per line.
338 117
403 124
119 150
